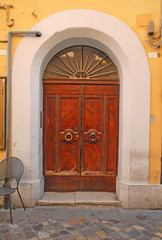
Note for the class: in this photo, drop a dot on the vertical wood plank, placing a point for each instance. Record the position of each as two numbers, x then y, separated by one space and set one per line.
112 134
49 132
93 118
69 122
2 112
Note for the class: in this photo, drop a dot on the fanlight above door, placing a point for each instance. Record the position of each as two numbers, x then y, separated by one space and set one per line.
81 62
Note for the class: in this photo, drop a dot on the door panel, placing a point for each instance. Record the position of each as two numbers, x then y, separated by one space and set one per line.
69 112
100 138
110 90
92 158
69 141
63 130
112 134
98 183
68 157
92 113
80 137
93 117
62 183
49 142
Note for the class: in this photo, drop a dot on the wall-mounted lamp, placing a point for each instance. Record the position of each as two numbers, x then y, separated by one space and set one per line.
150 28
154 40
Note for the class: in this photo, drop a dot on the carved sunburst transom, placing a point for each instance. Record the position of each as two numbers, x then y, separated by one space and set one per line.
81 62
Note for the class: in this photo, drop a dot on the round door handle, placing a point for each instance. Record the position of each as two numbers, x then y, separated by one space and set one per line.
68 137
92 136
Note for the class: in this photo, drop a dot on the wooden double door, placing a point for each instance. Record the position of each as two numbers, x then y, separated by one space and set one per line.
80 137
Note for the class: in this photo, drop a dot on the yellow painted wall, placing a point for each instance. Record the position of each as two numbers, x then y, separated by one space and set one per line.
135 13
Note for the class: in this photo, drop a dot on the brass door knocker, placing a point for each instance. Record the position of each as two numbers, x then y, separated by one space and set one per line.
68 137
92 136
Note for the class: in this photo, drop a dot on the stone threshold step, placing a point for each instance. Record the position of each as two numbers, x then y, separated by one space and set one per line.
79 198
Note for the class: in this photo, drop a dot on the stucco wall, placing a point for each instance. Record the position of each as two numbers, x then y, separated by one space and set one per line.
125 49
135 14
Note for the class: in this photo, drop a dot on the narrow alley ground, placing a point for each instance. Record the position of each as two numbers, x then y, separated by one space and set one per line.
81 223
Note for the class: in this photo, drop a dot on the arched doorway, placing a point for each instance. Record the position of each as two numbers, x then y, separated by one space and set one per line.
81 118
115 38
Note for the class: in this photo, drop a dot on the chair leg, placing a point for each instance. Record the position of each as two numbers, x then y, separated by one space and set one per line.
21 199
10 209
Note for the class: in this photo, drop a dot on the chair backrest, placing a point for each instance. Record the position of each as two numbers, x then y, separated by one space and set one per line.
11 168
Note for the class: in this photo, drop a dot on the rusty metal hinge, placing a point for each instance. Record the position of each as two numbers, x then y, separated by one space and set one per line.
1 90
1 134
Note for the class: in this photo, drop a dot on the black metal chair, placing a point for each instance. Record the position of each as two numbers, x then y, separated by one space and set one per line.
11 168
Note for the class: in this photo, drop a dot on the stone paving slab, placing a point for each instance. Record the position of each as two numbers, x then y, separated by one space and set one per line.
81 223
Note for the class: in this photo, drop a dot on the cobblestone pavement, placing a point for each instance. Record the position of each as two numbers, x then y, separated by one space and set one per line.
81 223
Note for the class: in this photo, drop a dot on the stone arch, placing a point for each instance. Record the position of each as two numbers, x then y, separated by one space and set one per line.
116 39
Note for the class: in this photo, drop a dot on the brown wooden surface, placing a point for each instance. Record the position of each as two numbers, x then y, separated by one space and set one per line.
49 142
68 122
98 183
62 183
3 83
94 81
88 116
